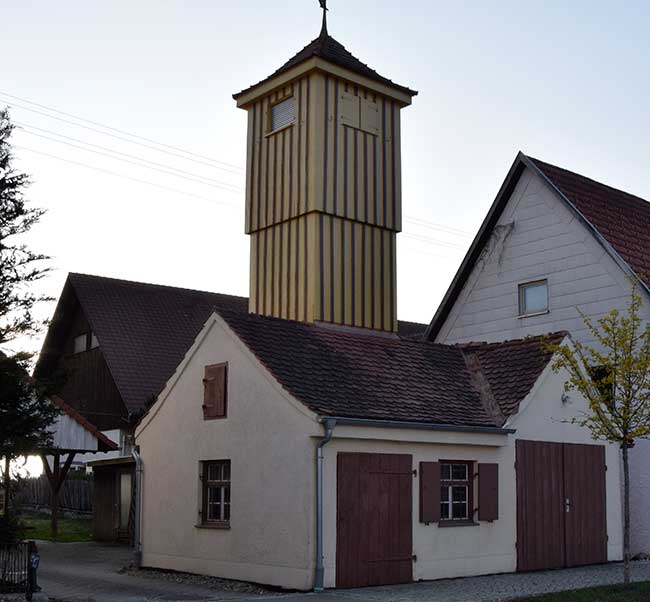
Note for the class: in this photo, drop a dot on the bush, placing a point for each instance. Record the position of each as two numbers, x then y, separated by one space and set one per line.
12 529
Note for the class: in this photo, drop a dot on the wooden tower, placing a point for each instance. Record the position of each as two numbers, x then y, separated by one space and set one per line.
323 189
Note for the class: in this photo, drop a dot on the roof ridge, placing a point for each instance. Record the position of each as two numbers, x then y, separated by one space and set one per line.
153 285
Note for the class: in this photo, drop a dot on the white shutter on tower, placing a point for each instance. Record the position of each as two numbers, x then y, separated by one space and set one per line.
282 114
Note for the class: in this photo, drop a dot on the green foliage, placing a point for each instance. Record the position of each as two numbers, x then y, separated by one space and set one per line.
25 413
39 526
613 376
12 530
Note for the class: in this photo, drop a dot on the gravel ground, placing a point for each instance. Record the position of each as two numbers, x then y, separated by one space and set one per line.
212 583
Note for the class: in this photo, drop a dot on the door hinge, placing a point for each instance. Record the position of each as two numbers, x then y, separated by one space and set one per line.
415 472
414 558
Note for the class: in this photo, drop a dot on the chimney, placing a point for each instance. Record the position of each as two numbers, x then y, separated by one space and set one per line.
323 189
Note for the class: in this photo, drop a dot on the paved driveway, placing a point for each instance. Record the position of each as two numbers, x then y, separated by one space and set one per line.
91 572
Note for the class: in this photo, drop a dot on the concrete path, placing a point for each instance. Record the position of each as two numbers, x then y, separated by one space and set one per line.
90 572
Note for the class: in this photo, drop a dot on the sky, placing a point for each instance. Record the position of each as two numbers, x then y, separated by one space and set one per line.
127 126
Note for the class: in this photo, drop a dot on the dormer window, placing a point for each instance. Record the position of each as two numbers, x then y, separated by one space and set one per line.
533 298
94 343
282 114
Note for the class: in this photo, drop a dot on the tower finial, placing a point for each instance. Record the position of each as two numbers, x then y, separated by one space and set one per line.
323 5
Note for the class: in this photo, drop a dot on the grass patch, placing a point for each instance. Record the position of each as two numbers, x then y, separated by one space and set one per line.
636 592
38 526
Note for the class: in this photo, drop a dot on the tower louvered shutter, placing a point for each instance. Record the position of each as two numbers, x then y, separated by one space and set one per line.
215 391
282 114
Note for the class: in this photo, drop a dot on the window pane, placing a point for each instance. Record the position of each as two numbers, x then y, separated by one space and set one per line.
226 512
225 475
214 503
533 298
459 472
459 494
94 343
444 510
444 494
445 472
459 510
214 470
80 343
282 114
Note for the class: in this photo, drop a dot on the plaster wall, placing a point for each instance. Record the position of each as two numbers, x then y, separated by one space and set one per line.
269 444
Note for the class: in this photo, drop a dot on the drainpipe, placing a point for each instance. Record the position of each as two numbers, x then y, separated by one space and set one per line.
329 424
137 522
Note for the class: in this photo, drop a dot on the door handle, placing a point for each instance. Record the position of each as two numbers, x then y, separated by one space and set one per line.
567 505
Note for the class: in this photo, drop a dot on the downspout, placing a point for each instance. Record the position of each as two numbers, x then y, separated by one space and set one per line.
329 424
137 522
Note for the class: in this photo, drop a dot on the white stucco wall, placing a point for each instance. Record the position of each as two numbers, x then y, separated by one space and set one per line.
445 552
548 241
267 437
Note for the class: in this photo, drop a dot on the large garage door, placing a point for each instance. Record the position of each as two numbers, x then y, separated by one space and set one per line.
561 518
374 526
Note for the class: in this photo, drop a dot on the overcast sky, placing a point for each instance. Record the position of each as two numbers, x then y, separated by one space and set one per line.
566 82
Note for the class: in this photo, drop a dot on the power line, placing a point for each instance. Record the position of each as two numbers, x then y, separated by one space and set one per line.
136 157
92 129
223 186
119 175
435 226
113 129
432 241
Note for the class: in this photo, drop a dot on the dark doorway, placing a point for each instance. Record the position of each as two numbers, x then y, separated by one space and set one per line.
561 516
374 519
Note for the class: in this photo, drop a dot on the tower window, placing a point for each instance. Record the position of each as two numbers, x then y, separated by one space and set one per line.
282 114
533 298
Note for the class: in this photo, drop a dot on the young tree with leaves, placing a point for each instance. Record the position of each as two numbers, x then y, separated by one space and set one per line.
25 412
614 377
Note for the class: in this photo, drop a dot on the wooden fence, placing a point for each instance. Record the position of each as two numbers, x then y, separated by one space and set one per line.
76 494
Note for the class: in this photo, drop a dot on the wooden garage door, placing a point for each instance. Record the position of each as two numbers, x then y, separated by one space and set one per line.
373 524
561 494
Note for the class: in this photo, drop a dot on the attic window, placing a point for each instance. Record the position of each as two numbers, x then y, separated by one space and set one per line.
79 343
533 298
282 114
94 343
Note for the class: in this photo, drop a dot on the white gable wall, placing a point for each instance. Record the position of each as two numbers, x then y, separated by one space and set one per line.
270 446
547 240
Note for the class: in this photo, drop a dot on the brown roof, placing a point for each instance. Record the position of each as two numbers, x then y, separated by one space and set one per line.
370 376
327 48
511 368
143 329
621 218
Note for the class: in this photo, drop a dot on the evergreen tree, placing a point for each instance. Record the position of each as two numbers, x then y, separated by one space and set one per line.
25 412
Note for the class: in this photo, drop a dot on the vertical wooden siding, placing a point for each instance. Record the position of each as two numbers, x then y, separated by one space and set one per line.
352 268
323 204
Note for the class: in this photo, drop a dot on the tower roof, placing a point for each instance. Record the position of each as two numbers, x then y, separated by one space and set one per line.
328 49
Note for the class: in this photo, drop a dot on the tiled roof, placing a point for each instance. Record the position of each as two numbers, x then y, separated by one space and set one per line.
371 376
621 218
512 367
144 330
328 49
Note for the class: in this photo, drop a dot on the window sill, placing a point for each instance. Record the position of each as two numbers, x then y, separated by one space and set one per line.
215 525
281 129
531 315
444 524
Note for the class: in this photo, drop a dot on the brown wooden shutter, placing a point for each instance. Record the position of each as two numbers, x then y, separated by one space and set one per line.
429 492
488 492
215 391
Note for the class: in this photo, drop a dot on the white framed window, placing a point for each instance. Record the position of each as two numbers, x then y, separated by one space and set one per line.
282 114
216 492
94 343
455 491
79 343
533 298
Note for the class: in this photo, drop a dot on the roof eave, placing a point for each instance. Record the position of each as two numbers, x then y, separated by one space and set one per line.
246 97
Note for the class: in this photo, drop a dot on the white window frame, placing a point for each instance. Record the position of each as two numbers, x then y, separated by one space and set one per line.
449 484
522 298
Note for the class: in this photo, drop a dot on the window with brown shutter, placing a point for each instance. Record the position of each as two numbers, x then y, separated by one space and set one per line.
215 391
